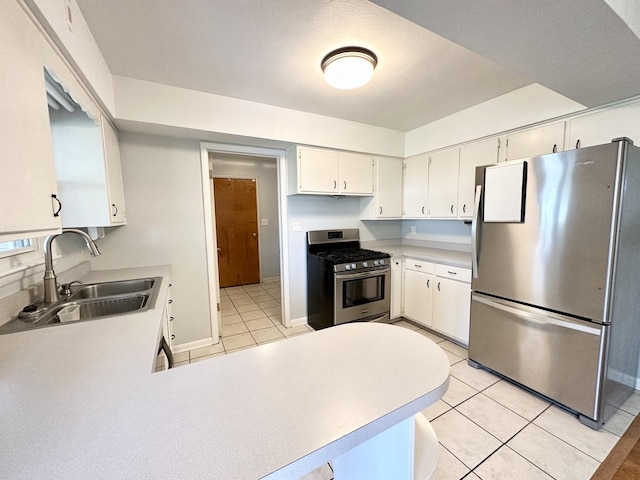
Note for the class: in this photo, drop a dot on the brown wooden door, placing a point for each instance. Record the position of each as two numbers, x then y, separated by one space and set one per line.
236 231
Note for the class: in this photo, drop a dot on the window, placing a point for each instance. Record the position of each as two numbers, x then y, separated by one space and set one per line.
16 247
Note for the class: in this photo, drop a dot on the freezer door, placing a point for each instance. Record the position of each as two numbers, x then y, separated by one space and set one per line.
559 257
557 356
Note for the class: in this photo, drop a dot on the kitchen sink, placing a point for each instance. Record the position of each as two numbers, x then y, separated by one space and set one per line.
107 289
95 301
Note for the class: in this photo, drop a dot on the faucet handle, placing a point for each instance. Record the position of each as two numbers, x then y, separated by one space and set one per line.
65 288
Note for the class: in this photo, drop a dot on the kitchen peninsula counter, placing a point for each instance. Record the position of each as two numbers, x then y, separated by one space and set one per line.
80 400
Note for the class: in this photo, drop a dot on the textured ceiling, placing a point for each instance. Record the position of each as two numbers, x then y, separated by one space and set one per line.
269 51
585 50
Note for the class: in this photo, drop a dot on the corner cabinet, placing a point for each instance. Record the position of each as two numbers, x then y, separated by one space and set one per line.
443 184
387 198
329 172
27 204
415 192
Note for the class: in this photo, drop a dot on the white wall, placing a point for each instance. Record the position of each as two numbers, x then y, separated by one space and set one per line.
317 212
264 170
527 105
163 195
448 231
153 103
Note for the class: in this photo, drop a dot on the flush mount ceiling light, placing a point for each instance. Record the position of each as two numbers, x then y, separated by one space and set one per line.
349 67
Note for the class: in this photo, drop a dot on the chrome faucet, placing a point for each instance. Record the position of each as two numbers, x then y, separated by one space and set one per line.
50 282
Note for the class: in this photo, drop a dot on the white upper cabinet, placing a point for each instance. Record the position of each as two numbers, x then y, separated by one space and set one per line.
537 141
472 156
87 161
387 199
356 174
602 127
26 164
114 174
443 184
318 170
329 172
416 183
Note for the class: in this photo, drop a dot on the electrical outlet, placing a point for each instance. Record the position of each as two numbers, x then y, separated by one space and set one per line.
264 221
297 226
413 229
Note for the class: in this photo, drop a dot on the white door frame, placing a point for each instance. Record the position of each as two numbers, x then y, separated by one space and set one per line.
211 243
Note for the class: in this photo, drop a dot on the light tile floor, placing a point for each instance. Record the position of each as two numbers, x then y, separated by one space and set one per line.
488 428
251 315
491 429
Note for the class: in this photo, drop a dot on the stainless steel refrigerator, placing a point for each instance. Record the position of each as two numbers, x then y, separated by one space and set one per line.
556 275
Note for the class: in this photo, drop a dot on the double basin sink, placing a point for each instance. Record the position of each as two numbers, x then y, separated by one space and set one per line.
97 300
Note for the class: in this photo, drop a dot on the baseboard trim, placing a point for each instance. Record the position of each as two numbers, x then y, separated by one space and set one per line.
270 279
298 321
185 347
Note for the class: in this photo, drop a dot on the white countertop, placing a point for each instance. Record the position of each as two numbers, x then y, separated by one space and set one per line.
455 258
80 400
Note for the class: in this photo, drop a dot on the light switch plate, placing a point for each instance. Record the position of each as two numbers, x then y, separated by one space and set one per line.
264 221
413 229
297 226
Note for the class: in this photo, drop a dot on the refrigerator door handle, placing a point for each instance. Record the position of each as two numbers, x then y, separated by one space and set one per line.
541 318
474 231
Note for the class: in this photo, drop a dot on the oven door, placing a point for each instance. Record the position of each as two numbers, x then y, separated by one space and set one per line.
361 295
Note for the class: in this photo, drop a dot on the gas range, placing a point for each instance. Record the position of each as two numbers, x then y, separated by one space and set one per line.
358 259
345 283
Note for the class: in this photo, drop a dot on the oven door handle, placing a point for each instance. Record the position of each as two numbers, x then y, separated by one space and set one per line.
345 275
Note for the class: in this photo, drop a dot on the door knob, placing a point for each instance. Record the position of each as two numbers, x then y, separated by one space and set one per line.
219 249
255 235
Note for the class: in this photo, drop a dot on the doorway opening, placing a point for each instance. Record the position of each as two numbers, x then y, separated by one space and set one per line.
230 173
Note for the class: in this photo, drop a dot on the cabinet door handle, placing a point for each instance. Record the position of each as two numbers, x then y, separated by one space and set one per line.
335 184
345 184
464 208
173 337
578 144
438 286
380 211
451 273
115 209
170 301
428 282
57 212
423 210
171 319
451 208
555 148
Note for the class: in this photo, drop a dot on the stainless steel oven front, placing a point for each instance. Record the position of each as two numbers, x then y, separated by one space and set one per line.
362 295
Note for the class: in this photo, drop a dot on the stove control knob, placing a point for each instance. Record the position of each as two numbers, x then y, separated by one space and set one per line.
364 264
375 262
347 267
353 266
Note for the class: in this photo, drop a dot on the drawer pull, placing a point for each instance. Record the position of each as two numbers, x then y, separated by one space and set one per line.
451 273
417 266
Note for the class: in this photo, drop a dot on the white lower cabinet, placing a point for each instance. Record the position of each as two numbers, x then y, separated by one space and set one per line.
437 296
452 309
396 287
418 292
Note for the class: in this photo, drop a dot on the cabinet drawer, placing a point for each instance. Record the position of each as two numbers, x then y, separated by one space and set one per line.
455 273
419 265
